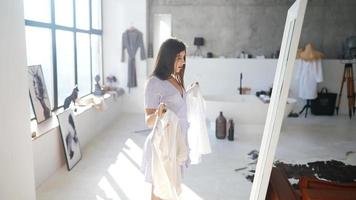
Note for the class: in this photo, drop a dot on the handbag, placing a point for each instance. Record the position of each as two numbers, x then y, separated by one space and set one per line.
324 104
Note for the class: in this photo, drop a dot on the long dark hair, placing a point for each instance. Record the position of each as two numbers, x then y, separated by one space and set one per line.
166 58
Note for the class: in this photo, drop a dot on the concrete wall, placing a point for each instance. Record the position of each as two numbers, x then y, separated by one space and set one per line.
118 16
255 26
16 168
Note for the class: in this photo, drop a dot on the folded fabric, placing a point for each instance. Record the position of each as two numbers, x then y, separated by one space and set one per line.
97 102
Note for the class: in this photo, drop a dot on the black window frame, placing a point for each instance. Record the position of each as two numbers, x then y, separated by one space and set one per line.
53 27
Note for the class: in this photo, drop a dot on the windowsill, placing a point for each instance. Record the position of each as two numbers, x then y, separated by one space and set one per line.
52 122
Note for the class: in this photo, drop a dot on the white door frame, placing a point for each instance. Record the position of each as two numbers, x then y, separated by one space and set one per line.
282 79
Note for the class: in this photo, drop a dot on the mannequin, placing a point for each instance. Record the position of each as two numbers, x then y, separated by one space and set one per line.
309 73
309 53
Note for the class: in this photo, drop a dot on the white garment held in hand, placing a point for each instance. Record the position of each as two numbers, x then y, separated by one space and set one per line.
198 138
168 149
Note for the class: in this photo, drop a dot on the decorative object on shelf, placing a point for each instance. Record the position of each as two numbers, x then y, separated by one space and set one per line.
209 55
97 102
98 91
263 96
231 130
350 48
111 80
240 88
261 92
246 90
275 54
71 98
198 41
69 137
112 87
243 55
220 126
38 93
243 90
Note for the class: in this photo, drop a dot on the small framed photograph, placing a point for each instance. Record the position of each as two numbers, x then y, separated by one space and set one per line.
69 137
38 93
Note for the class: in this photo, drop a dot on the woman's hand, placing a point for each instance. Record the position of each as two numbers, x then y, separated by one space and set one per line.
191 86
151 114
161 109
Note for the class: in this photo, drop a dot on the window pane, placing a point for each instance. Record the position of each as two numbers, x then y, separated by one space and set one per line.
82 14
96 56
83 63
64 12
38 10
96 14
65 64
39 52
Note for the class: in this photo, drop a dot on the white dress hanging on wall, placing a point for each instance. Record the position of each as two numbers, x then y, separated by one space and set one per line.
198 138
308 75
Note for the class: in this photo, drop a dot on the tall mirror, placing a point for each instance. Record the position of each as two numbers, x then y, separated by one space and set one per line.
278 102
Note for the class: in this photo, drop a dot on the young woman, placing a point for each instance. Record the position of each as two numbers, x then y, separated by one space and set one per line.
165 88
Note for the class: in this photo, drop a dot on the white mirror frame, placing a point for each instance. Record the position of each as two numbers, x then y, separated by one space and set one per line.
282 79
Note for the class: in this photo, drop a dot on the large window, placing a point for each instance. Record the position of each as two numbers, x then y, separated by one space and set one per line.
39 51
64 12
65 63
83 53
38 10
64 36
96 55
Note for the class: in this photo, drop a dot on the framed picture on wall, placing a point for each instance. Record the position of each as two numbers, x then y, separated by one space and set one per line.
69 137
38 93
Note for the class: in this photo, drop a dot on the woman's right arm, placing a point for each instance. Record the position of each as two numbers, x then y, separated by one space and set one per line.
153 105
152 114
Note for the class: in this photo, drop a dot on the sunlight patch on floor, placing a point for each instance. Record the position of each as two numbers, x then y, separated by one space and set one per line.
126 174
99 198
108 189
128 178
134 151
189 194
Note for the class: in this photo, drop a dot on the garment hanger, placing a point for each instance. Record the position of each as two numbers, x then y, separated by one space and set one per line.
132 27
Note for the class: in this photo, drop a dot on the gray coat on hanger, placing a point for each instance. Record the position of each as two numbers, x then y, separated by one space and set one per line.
132 40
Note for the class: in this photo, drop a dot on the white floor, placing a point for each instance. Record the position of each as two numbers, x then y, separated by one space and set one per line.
109 169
